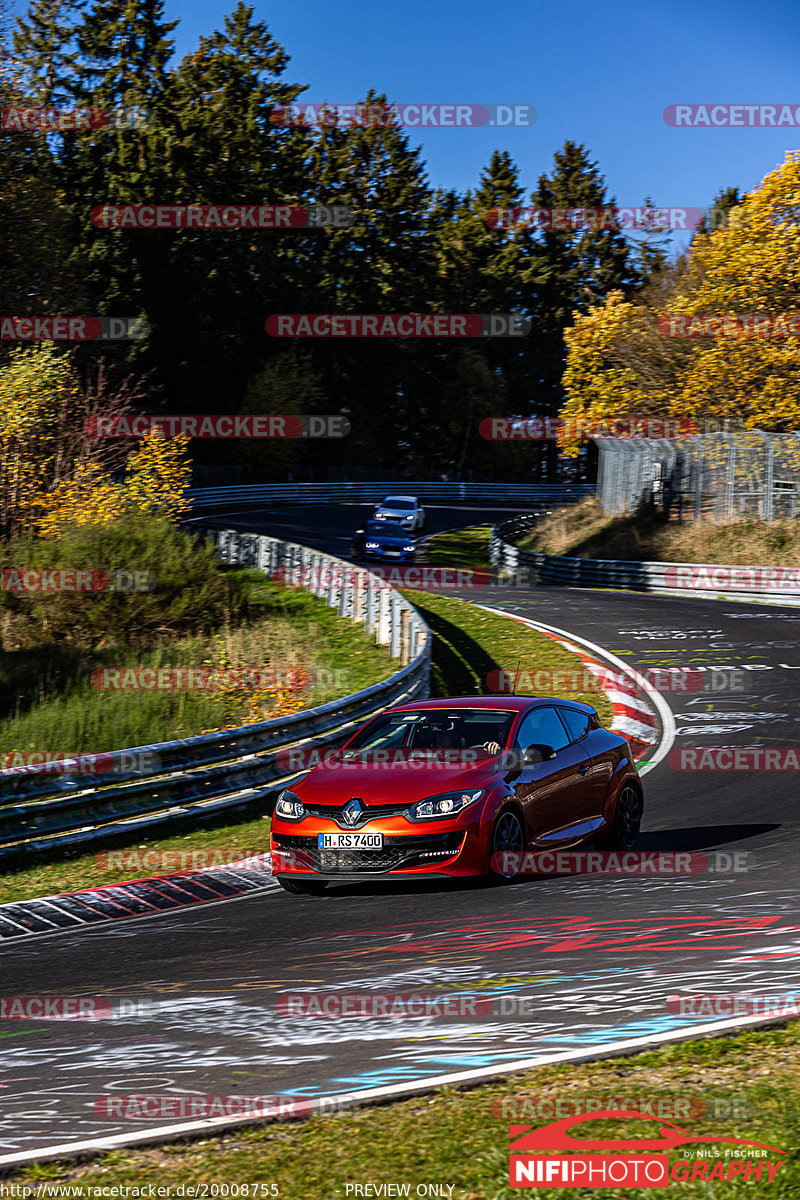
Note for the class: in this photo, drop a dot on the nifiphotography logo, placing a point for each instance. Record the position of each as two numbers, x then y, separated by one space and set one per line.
608 1163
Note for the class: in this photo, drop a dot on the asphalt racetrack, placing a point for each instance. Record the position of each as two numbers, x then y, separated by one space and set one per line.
594 958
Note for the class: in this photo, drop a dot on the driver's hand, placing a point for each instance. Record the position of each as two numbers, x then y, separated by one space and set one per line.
492 747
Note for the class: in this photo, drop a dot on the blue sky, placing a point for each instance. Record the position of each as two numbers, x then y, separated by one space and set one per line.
597 73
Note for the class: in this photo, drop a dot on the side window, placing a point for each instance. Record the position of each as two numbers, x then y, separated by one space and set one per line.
577 723
542 726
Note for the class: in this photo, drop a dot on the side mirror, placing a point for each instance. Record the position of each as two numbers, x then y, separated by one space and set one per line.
536 754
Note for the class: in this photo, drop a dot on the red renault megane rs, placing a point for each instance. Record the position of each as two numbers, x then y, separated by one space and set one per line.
444 787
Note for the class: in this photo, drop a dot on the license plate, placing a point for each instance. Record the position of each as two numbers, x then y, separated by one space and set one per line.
350 841
392 553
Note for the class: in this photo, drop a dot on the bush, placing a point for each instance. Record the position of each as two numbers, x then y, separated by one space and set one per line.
186 589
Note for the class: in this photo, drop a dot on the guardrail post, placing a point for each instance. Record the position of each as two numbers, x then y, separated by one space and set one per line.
371 621
383 632
359 598
334 588
395 608
405 637
346 591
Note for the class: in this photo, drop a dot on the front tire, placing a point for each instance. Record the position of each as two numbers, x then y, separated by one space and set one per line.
623 833
303 887
508 834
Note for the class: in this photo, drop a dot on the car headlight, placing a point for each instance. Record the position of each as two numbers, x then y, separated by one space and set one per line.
289 807
410 517
372 546
448 804
409 547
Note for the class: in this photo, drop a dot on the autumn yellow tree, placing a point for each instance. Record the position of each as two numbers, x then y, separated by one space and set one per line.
618 362
157 475
39 391
46 412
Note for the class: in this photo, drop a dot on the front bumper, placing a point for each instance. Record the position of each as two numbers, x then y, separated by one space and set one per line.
392 555
450 852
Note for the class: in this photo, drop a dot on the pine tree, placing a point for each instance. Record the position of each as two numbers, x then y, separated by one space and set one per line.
717 215
45 51
568 271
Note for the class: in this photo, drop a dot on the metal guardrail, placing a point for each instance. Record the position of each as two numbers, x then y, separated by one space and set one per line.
212 772
704 580
372 493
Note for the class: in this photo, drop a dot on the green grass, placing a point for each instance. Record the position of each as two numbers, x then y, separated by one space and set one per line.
53 707
463 548
460 1138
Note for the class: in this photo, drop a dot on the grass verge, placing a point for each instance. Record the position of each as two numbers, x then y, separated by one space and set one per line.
462 548
585 531
54 707
749 1085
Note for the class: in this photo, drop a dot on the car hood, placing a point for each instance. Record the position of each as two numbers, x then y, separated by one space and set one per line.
401 782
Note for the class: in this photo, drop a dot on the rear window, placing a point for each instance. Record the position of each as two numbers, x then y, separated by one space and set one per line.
577 723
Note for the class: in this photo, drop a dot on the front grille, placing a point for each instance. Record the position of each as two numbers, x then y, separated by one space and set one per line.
333 812
397 851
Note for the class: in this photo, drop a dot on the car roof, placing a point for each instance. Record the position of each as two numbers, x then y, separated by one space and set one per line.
508 703
413 499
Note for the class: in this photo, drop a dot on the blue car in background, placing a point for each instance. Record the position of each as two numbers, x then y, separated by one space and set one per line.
383 540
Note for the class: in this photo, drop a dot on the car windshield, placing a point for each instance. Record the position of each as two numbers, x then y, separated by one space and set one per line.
385 529
432 730
394 502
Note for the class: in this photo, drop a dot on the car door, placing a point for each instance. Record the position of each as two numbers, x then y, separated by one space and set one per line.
580 726
555 796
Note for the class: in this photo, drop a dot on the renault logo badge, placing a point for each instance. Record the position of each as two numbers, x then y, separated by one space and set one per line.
352 811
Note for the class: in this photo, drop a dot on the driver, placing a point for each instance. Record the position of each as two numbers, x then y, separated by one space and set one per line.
446 739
